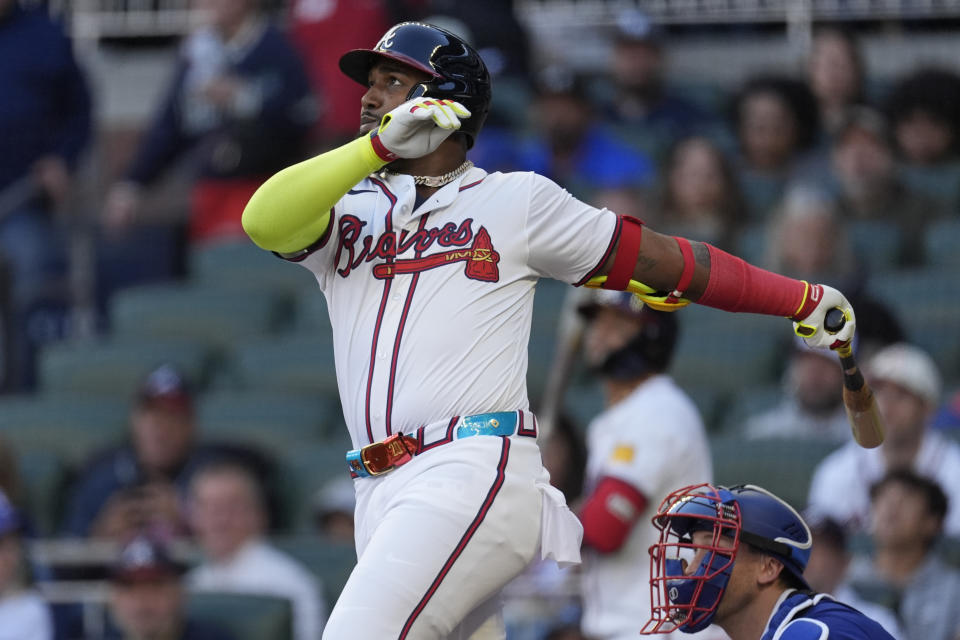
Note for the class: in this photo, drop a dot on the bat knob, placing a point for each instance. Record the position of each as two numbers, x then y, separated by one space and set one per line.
834 320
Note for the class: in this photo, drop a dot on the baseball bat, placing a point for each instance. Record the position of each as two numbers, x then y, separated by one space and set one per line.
866 423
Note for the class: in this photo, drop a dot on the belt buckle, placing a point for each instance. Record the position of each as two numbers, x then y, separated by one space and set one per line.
396 454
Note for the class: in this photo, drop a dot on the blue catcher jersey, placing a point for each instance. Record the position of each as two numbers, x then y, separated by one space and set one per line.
802 615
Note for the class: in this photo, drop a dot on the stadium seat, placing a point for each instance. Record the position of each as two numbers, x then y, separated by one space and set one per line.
746 403
783 466
941 241
876 243
727 351
752 243
211 315
303 469
69 425
310 315
329 560
265 418
243 616
116 366
245 266
291 363
43 477
940 183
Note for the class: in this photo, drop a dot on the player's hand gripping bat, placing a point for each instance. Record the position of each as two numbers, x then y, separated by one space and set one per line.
865 420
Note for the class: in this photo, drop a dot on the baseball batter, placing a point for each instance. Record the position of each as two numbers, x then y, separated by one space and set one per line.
630 345
428 266
735 557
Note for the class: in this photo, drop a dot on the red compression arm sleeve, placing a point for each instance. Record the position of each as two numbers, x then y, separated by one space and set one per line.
735 285
609 514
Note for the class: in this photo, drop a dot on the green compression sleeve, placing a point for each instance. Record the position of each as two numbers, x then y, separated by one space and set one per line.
291 210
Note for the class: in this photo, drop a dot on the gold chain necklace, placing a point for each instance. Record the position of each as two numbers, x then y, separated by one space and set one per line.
439 181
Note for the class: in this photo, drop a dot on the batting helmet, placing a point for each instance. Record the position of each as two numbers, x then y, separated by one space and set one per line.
456 70
650 350
685 595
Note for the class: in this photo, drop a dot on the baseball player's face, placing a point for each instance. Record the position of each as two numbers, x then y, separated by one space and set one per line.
388 85
609 331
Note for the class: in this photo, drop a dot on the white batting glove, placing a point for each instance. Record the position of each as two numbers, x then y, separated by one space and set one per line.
417 127
811 328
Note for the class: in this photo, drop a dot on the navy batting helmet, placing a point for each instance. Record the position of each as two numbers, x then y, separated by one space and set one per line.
687 580
457 72
650 350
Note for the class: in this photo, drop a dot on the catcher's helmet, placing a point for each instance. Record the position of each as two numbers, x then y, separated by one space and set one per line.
456 69
688 599
650 350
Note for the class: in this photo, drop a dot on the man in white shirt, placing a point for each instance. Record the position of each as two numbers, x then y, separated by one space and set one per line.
907 386
229 519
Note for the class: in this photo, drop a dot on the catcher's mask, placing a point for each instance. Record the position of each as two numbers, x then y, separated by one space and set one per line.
456 70
687 580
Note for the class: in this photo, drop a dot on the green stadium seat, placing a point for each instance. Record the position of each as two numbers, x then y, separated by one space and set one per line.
310 315
268 419
303 469
244 616
940 183
292 363
211 315
783 466
752 243
746 403
941 240
71 426
330 561
726 351
43 475
117 366
245 266
876 243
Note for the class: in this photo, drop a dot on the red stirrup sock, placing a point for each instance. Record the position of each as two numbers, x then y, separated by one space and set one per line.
735 285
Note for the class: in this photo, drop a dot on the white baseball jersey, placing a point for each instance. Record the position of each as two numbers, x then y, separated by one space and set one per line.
654 440
431 308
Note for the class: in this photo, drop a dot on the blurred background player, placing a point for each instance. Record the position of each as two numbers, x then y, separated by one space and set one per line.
735 557
630 346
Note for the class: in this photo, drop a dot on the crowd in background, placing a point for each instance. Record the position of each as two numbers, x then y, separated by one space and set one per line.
821 173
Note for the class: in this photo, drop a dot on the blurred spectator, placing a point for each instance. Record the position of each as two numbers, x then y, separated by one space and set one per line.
572 147
10 483
701 196
147 597
924 109
869 185
228 516
23 613
241 101
836 74
908 519
333 508
827 570
808 240
45 124
906 384
642 103
630 346
141 485
812 406
777 124
565 632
